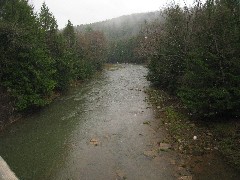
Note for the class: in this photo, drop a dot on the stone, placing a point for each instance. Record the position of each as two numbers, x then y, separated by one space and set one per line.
151 153
185 178
164 146
94 142
146 122
121 174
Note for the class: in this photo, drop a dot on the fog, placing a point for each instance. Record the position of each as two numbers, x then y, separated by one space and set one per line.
89 11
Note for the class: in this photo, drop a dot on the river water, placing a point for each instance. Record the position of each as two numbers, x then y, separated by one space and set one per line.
96 131
101 130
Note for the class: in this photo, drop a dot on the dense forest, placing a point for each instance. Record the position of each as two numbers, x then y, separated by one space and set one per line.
37 60
193 53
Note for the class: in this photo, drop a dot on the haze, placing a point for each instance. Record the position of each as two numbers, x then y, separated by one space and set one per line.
89 11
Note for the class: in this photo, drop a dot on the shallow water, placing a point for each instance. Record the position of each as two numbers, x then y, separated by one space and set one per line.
96 131
55 143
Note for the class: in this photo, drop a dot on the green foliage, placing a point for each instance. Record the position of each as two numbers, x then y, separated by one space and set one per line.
25 66
166 67
197 56
69 35
56 47
35 58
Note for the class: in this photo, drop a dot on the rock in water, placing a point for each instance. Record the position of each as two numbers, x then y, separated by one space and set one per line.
164 146
94 142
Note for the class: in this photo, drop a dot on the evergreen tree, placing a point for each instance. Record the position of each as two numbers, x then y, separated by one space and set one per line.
49 25
36 59
212 80
196 56
69 35
25 65
72 57
56 48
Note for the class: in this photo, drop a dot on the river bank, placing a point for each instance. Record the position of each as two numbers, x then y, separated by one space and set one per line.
210 149
9 115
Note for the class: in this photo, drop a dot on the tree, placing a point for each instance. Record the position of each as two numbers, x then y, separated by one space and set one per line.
211 82
49 26
56 47
25 65
168 60
69 35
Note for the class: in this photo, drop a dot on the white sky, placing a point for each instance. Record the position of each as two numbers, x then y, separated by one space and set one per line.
89 11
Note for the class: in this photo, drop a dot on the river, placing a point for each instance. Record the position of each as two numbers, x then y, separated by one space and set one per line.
103 129
55 143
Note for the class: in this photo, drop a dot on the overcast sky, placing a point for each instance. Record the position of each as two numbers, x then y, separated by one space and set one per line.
88 11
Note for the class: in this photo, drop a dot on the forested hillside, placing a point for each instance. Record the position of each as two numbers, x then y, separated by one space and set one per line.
122 34
123 27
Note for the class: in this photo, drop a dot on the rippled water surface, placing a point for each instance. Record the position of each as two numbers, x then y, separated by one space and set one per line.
90 133
96 131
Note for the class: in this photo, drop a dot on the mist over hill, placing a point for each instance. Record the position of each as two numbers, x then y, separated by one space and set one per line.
122 27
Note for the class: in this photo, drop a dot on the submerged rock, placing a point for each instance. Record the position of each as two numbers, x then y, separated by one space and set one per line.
164 146
185 178
151 153
94 142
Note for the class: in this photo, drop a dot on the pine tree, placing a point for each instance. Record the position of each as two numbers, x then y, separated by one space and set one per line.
69 35
56 47
196 56
26 67
49 25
